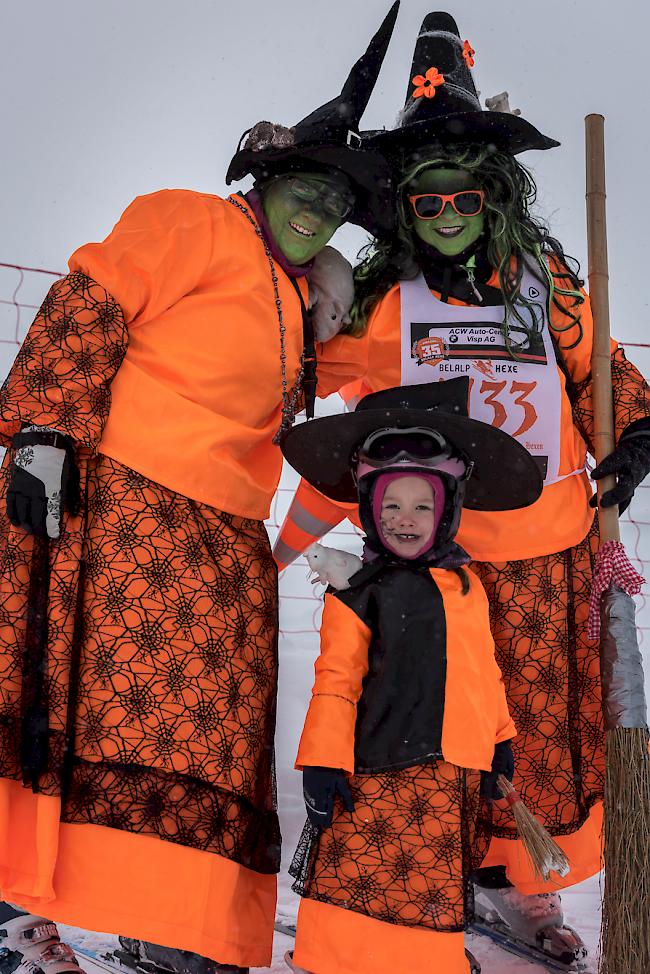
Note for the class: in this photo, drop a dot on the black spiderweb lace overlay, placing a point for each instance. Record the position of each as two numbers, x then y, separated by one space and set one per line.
539 610
62 374
631 396
405 854
162 667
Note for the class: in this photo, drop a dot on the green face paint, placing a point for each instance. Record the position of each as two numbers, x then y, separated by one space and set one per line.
450 233
301 227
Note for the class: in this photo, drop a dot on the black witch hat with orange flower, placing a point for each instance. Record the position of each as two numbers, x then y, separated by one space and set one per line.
442 104
329 138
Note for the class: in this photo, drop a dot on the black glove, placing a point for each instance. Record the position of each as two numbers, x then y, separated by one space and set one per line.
319 788
503 763
630 461
44 479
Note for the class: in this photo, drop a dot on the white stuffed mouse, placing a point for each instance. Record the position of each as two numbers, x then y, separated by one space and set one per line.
331 293
331 566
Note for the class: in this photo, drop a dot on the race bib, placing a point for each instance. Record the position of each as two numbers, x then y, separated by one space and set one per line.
520 395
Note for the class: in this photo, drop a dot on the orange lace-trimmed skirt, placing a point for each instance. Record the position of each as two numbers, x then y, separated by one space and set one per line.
539 609
138 676
393 875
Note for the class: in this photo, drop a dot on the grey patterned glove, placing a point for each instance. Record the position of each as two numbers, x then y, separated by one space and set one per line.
43 480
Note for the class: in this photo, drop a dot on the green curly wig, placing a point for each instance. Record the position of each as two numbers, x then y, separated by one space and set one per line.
512 235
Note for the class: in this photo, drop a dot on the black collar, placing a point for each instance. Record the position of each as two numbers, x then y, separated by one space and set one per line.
452 278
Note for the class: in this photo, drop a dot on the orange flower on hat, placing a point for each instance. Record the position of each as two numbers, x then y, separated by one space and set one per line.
468 54
426 84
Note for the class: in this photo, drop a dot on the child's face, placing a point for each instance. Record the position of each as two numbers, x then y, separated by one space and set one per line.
407 515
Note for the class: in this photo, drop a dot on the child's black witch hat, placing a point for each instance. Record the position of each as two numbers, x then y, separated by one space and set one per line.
329 138
504 475
442 104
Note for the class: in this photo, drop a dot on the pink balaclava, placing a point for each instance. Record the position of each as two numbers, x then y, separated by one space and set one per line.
379 489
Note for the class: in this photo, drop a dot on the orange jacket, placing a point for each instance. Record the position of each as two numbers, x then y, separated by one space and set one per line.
197 399
475 711
558 520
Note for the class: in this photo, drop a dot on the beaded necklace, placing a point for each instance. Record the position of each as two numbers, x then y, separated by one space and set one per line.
289 402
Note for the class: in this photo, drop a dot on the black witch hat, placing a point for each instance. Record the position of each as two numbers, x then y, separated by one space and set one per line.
328 139
442 104
504 476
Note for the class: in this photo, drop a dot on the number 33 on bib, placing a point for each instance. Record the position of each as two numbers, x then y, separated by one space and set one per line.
520 394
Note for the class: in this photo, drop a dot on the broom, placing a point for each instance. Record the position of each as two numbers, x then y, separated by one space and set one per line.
542 850
625 931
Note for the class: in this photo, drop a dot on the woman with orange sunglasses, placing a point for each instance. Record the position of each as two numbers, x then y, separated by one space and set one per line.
472 284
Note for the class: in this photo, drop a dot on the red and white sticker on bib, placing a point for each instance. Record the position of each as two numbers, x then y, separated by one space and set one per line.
519 394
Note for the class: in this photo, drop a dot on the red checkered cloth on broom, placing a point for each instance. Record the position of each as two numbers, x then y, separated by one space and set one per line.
612 567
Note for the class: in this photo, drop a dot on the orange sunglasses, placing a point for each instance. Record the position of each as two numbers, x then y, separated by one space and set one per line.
429 206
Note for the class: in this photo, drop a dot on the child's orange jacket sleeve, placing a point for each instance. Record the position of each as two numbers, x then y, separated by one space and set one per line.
328 735
310 516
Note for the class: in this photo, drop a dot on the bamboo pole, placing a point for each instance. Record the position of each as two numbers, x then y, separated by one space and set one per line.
625 930
601 363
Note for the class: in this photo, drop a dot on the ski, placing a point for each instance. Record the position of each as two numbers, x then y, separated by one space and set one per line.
117 959
504 939
93 962
287 927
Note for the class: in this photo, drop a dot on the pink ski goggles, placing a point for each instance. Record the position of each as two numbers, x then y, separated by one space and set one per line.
413 446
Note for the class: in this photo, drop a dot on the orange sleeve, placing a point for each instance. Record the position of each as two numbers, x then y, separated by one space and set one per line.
341 360
352 392
506 729
342 367
62 374
310 516
328 736
630 391
575 341
155 255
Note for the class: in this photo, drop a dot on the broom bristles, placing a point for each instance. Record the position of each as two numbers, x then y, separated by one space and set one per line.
542 849
625 933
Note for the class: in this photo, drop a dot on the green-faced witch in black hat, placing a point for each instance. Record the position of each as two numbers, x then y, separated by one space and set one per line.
472 283
443 128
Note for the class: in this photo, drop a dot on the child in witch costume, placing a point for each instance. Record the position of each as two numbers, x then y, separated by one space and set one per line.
138 639
408 722
472 284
